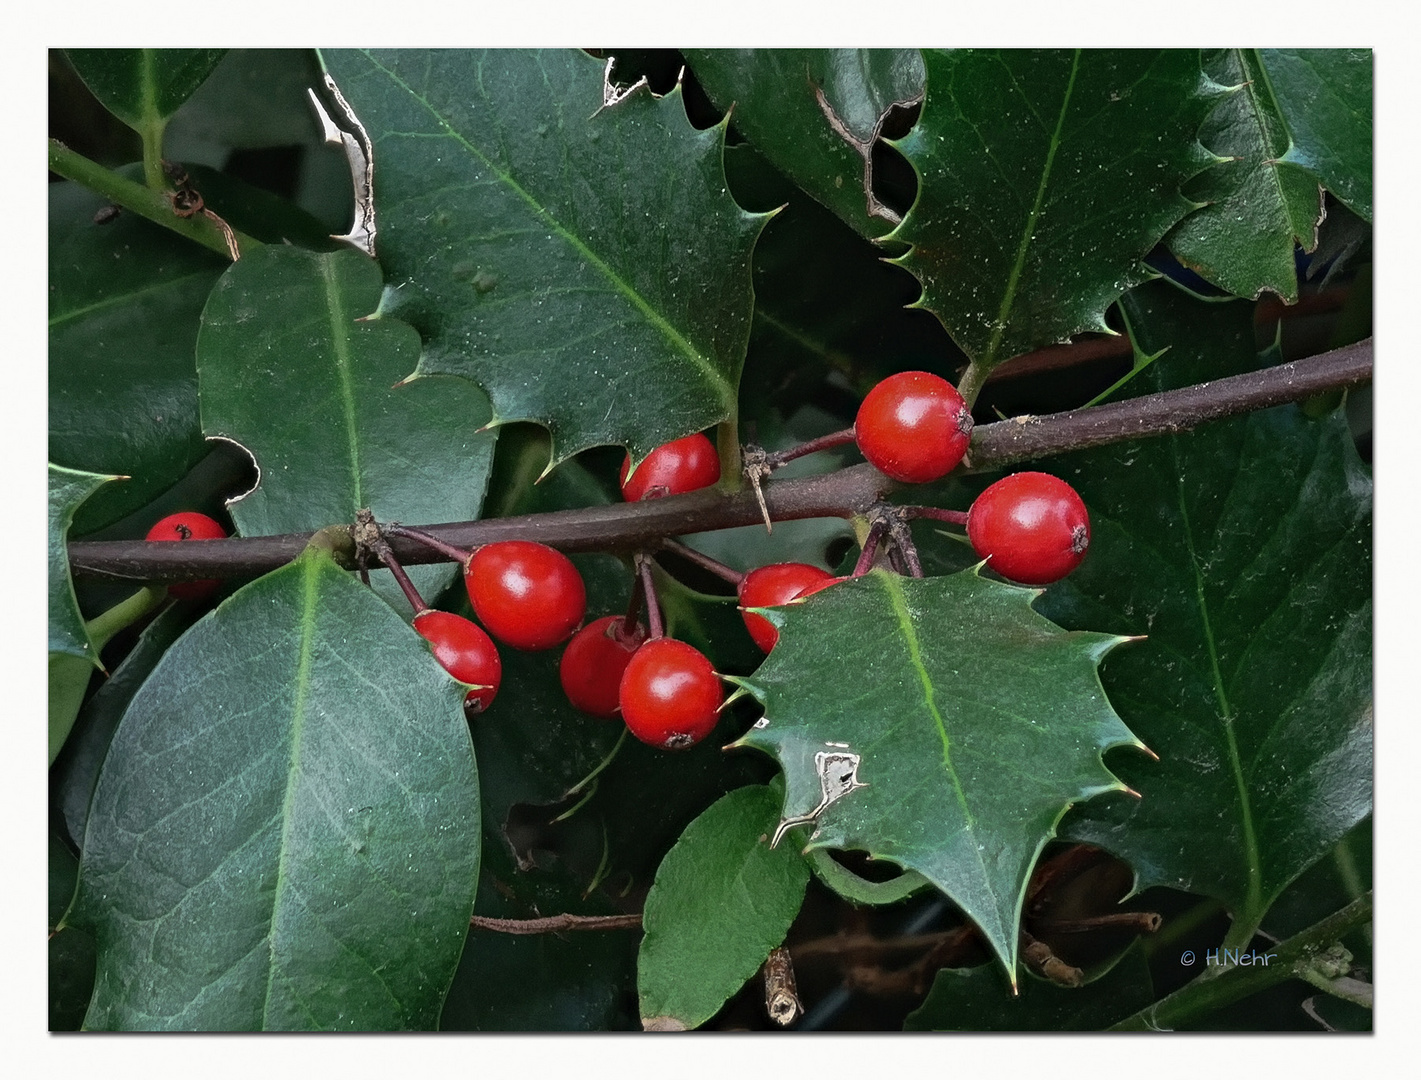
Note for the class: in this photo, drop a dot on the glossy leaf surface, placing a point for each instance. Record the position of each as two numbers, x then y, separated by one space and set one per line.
124 302
975 723
815 114
1243 550
293 781
587 267
722 899
1045 178
289 370
1326 98
1259 206
75 771
143 87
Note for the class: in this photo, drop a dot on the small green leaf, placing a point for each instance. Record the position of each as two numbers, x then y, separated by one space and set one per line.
124 303
67 633
1044 180
143 87
815 114
976 999
284 832
722 900
970 722
586 266
288 369
1243 551
1259 206
1325 96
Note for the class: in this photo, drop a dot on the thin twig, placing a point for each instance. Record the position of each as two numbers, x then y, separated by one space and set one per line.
705 562
952 517
812 446
870 548
453 551
556 924
653 610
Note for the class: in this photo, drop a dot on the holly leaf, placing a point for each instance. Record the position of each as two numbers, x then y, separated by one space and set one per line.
1325 96
965 728
280 837
585 265
722 900
124 303
974 999
1044 180
292 367
1243 550
816 115
67 634
143 87
1259 205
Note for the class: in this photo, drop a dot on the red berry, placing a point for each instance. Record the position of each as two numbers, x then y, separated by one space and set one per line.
687 464
770 586
670 694
593 662
913 427
1032 526
527 595
464 651
189 525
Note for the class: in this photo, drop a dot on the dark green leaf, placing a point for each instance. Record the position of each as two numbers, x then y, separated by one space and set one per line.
585 266
124 303
254 98
76 769
67 634
816 113
978 999
973 721
1326 99
143 87
564 982
71 952
831 315
1045 178
1243 550
722 899
283 835
288 369
1258 206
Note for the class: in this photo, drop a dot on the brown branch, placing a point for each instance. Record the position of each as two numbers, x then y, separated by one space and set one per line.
556 924
1171 411
629 526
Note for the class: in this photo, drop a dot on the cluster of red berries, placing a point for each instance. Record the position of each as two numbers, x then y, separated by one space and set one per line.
1031 527
914 427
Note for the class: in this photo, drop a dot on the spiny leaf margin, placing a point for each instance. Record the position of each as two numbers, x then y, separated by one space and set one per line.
936 648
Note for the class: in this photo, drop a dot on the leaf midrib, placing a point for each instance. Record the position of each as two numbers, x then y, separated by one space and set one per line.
310 573
340 345
893 586
1252 860
1014 279
126 297
724 390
